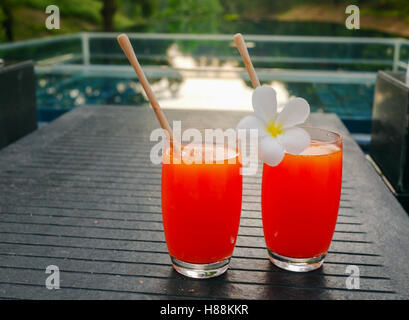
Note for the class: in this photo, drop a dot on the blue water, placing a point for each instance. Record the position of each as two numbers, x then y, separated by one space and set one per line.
57 94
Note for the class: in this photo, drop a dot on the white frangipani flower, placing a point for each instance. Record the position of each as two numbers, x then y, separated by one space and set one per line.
277 131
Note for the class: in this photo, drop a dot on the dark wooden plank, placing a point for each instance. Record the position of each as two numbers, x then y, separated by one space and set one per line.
81 193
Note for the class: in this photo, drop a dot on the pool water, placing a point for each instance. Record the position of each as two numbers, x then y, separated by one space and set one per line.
57 94
205 71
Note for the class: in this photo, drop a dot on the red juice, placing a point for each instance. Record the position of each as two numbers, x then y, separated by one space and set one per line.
201 205
300 201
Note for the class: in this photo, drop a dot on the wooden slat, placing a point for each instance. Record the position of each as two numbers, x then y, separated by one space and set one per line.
81 193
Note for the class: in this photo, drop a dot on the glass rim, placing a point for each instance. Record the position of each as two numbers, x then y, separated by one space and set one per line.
336 140
236 151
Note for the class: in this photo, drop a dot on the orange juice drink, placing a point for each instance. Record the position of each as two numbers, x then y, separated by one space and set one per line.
300 201
201 205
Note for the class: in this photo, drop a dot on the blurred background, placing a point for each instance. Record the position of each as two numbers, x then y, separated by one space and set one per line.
24 19
301 48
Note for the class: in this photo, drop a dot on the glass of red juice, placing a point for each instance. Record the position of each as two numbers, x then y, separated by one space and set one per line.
300 201
201 206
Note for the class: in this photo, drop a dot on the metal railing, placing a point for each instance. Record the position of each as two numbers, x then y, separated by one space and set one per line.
83 52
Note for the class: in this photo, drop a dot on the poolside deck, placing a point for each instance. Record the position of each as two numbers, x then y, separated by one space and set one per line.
81 194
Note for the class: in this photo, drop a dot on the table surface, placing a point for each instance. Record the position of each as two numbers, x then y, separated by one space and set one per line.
82 194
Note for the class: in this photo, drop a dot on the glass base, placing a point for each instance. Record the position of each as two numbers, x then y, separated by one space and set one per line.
296 264
200 271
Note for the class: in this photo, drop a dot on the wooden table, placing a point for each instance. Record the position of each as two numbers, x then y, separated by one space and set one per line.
82 194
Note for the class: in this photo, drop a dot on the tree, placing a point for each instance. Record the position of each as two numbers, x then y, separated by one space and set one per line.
7 21
108 12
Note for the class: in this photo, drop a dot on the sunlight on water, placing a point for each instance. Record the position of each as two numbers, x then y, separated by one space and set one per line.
223 89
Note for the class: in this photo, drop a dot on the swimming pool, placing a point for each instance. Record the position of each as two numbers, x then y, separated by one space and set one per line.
335 74
56 94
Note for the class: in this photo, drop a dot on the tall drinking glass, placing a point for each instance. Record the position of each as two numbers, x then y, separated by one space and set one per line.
201 206
300 202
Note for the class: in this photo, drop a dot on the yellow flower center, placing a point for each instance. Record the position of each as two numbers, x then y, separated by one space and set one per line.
274 129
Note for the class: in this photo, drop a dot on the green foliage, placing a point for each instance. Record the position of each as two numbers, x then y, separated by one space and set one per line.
84 9
138 8
175 16
190 16
388 8
2 31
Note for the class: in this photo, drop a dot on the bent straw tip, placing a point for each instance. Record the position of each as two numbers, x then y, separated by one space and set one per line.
238 36
122 36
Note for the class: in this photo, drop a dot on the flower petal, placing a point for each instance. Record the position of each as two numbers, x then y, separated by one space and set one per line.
270 151
253 122
265 103
295 112
294 140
